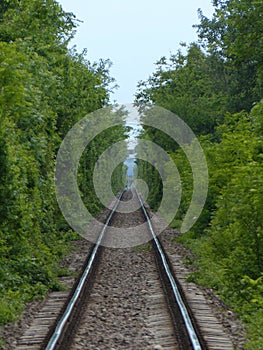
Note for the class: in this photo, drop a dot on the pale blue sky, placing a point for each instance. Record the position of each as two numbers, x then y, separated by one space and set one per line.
134 34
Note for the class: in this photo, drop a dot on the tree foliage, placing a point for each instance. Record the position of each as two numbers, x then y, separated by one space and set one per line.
45 88
189 85
216 88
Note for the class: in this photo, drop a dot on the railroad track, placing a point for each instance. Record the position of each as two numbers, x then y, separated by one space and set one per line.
126 298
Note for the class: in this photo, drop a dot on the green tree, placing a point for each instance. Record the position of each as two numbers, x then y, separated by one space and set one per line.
235 33
45 88
189 85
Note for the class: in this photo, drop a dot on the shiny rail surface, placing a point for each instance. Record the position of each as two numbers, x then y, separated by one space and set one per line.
186 317
65 317
57 335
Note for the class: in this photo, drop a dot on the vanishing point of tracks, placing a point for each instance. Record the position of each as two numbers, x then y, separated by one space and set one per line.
126 298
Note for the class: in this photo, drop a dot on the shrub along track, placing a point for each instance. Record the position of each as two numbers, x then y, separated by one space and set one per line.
126 307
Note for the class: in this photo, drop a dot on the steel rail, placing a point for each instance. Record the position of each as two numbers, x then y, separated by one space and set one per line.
187 320
63 320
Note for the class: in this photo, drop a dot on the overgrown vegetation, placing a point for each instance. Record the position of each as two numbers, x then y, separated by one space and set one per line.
45 88
216 88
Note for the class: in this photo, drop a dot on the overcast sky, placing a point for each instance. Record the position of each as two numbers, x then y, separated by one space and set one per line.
134 34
